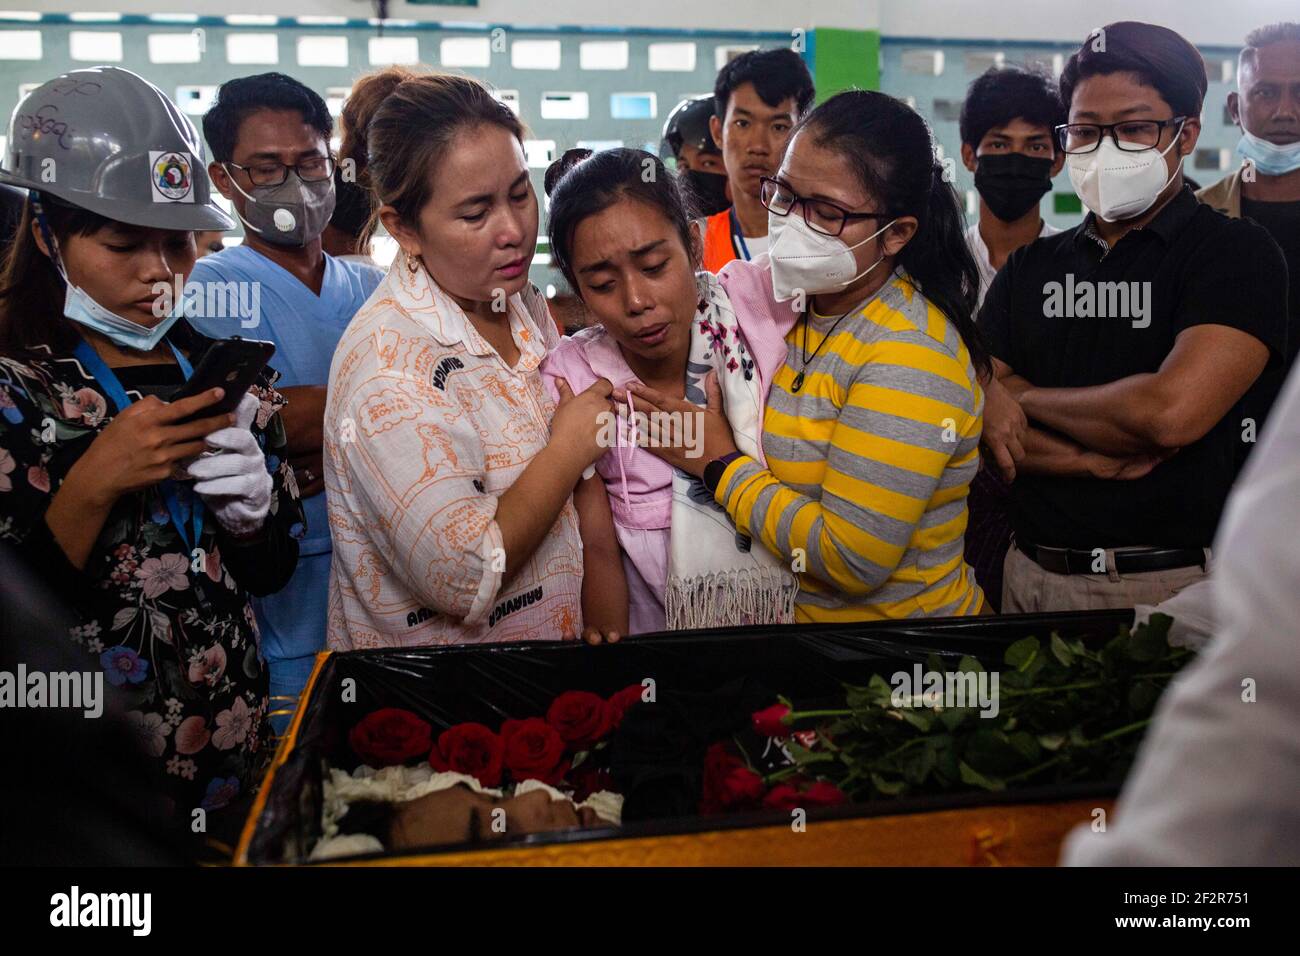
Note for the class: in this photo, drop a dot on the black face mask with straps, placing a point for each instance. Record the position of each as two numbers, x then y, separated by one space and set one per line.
1011 184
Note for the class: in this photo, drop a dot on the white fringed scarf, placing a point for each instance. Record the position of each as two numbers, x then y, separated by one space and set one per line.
717 577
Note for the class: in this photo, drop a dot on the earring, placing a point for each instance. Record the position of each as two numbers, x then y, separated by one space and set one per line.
412 264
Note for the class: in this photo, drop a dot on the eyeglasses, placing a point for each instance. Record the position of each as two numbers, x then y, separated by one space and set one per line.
312 170
1132 136
825 217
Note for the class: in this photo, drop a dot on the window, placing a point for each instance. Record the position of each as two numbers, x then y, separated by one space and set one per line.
403 50
334 98
723 55
252 48
1211 159
20 45
252 19
599 145
466 51
195 100
923 62
603 55
564 106
672 57
322 51
95 46
1052 63
947 110
982 60
508 97
175 47
539 152
1219 70
535 54
632 106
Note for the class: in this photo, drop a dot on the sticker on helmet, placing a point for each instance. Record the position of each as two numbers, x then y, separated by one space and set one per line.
171 175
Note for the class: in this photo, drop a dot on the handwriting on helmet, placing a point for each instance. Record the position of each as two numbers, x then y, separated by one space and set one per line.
42 123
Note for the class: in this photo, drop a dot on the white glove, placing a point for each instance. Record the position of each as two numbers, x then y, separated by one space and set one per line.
233 480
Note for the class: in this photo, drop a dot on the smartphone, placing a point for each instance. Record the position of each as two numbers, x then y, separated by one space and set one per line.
232 364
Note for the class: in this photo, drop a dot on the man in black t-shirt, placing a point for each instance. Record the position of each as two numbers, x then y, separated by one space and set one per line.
1126 342
1266 105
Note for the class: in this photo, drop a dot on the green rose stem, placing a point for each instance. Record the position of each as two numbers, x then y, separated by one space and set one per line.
1111 735
1082 685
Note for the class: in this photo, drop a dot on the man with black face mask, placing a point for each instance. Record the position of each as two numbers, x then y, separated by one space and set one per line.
1006 141
687 139
269 136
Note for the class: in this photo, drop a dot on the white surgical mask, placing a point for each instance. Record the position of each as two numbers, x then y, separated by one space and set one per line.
79 307
82 309
1116 184
809 261
1269 158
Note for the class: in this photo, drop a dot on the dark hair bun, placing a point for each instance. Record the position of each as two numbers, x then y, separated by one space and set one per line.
555 172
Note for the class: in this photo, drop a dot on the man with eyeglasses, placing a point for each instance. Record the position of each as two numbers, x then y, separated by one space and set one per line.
269 136
1121 346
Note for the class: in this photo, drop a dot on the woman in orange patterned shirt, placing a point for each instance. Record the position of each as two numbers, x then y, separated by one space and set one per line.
449 470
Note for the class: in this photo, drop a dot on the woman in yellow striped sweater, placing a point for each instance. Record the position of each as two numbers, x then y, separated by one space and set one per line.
871 429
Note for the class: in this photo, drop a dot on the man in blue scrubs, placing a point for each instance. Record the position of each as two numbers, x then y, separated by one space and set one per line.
269 136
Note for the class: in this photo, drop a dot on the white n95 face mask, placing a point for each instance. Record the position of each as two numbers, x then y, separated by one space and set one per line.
809 261
1116 184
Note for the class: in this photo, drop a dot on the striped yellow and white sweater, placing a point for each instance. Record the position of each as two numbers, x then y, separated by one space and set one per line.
869 464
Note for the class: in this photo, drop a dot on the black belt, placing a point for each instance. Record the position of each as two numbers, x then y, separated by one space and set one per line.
1130 561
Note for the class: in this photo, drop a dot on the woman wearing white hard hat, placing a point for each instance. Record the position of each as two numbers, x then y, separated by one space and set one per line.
102 487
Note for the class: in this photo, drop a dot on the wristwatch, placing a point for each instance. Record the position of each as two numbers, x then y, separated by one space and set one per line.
713 470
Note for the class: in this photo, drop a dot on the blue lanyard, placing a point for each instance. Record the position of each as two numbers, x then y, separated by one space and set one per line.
178 505
737 236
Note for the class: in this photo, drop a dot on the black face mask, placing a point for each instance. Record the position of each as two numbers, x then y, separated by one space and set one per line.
708 191
1011 184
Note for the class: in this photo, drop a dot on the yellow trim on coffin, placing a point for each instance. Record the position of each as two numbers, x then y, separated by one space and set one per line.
281 755
1024 834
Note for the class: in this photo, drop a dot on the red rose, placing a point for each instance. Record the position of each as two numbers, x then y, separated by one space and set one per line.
767 722
470 749
822 794
620 702
580 716
787 796
534 750
587 780
390 736
729 785
784 796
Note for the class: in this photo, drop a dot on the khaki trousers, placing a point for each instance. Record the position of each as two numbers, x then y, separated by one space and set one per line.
1028 588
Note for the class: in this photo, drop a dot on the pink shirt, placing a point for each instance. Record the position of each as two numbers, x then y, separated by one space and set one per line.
640 492
640 484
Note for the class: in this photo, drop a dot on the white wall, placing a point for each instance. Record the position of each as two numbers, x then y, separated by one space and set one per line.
1222 22
1218 22
782 15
